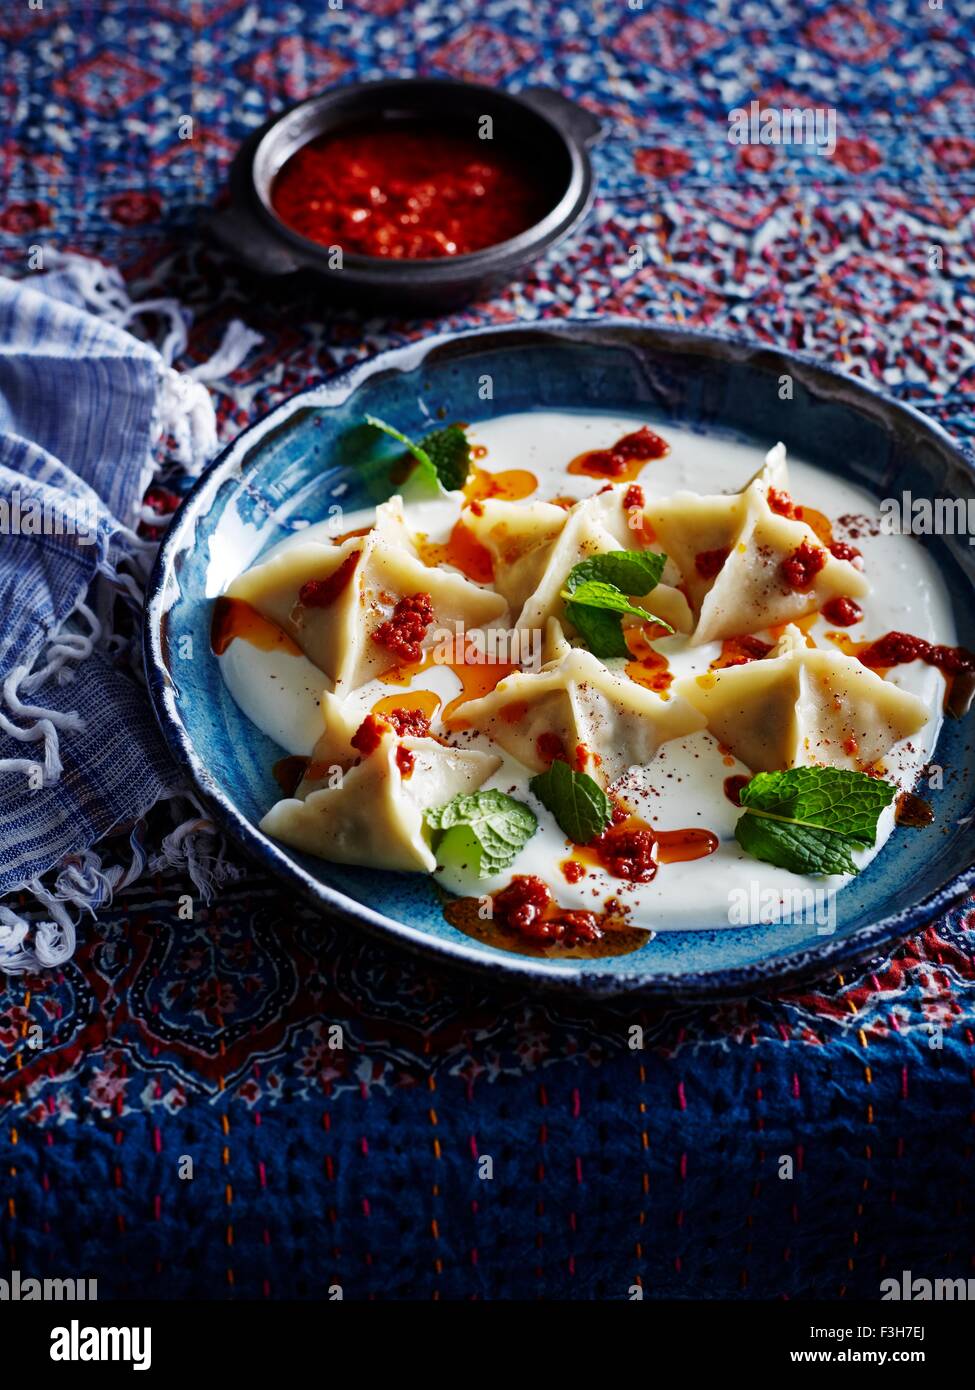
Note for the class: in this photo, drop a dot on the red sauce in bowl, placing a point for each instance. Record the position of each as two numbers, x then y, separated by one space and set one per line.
406 191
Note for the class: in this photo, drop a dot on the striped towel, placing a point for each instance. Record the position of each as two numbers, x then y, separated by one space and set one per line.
83 407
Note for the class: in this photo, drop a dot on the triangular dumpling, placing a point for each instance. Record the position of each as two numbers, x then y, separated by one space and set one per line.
359 584
602 723
375 816
731 552
803 706
534 546
517 536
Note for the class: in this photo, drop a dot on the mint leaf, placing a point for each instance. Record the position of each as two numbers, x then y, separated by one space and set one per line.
579 804
600 629
810 819
630 571
450 453
443 456
831 798
595 597
801 848
488 825
595 593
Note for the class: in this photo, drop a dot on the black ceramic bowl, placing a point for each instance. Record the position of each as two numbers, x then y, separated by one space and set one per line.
548 132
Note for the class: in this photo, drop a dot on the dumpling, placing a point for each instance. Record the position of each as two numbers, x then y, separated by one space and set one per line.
735 555
333 599
374 817
534 546
602 723
518 537
804 706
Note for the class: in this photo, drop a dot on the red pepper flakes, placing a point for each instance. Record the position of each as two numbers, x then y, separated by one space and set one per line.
633 497
897 647
369 734
406 190
320 593
582 757
403 633
409 723
799 570
841 550
844 612
405 761
641 444
521 904
708 563
628 854
526 907
782 504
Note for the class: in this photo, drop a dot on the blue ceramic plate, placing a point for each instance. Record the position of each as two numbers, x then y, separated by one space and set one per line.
283 472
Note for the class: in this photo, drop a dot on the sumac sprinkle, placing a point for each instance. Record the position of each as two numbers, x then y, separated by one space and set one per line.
633 497
369 734
521 904
800 569
708 563
404 761
734 786
842 611
403 633
627 854
549 747
319 593
841 550
406 191
409 722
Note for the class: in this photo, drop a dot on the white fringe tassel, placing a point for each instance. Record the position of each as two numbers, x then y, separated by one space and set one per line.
194 847
185 414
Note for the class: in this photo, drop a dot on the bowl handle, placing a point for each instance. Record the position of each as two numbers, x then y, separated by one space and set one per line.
241 232
566 114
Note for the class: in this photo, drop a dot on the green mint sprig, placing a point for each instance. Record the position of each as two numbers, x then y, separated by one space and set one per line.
486 828
443 456
596 599
579 805
811 819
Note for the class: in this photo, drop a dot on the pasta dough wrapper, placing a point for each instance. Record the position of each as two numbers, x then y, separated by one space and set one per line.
375 817
338 637
802 706
749 593
534 546
606 722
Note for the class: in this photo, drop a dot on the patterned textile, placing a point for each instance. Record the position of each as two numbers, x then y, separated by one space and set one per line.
80 405
807 1142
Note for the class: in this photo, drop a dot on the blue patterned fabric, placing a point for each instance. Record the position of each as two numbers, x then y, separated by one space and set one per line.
168 1039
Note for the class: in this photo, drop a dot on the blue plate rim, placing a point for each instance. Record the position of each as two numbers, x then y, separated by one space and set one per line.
336 388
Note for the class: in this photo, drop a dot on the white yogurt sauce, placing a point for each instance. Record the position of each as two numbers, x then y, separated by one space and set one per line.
683 786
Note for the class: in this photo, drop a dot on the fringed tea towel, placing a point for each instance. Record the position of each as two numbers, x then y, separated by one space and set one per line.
84 406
